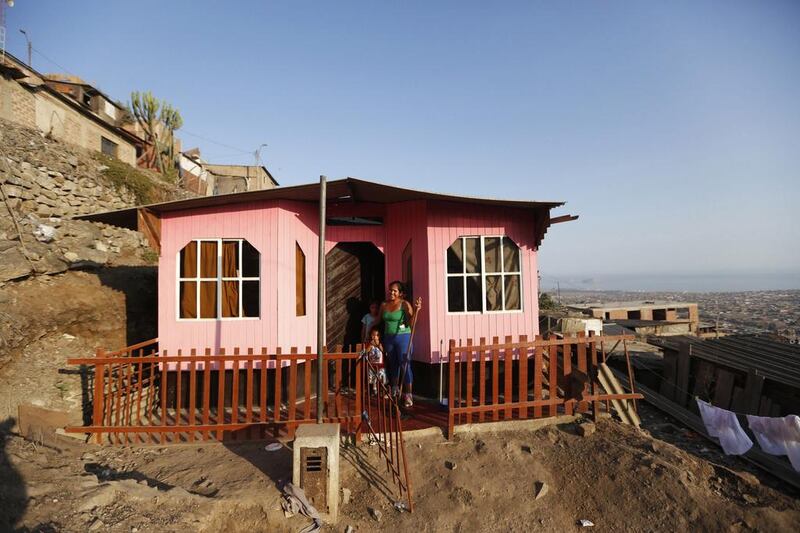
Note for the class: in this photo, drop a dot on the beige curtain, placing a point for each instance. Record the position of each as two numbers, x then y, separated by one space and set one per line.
493 298
512 292
510 255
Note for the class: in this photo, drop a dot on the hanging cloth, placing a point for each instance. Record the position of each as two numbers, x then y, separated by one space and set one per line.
778 436
724 425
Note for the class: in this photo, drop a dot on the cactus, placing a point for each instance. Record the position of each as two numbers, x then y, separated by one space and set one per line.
159 120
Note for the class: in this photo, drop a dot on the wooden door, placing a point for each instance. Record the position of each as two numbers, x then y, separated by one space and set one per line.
354 276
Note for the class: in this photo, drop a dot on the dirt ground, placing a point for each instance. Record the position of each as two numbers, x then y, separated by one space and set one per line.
620 479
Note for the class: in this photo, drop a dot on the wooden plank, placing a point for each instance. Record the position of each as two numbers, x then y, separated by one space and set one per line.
178 391
325 385
538 369
192 394
552 367
566 367
482 379
508 374
522 386
235 390
151 394
737 399
593 374
98 403
723 389
140 384
669 373
276 409
682 377
262 399
339 382
612 386
248 414
495 377
451 385
469 381
206 394
221 393
292 391
307 385
583 367
752 392
164 382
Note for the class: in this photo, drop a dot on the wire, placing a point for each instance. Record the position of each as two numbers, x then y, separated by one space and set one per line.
53 62
185 132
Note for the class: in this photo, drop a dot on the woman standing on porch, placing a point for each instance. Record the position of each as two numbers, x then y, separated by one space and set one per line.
396 318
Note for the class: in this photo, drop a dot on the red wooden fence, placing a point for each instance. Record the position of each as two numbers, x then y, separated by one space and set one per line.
140 395
526 379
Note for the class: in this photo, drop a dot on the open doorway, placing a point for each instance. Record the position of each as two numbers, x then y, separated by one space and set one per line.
354 277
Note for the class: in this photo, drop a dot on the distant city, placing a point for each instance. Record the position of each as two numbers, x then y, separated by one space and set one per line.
746 312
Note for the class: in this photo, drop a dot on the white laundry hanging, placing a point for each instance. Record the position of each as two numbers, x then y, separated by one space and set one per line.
778 436
724 425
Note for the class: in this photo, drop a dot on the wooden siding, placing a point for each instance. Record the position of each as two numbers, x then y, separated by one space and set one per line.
445 223
274 228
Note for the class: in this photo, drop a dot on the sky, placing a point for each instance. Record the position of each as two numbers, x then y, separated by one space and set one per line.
671 128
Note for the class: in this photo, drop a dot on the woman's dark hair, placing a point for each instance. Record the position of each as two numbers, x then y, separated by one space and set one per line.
400 286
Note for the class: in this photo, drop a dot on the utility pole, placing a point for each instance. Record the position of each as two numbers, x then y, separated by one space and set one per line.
321 393
30 47
257 159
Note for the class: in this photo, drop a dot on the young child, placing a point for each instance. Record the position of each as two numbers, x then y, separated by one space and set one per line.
375 357
368 320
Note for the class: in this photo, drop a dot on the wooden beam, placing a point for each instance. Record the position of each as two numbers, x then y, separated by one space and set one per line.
149 224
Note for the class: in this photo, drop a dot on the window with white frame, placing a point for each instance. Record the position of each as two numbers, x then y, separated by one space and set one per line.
483 275
218 278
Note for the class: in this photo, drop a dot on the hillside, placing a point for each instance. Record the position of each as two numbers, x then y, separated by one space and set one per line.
67 286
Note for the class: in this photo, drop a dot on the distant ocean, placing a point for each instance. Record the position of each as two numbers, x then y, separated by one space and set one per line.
674 282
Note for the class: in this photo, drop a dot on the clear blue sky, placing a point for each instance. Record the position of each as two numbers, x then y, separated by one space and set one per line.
671 128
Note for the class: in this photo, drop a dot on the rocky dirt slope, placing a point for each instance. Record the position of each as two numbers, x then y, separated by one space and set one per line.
67 286
616 477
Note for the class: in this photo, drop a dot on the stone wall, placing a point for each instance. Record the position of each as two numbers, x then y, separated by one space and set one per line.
43 184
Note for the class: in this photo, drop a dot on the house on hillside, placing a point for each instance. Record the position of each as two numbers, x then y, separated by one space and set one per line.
240 270
205 178
65 109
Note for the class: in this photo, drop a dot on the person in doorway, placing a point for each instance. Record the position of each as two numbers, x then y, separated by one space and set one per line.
395 318
369 320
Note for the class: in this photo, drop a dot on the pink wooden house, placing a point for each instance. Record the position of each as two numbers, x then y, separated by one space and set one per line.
240 270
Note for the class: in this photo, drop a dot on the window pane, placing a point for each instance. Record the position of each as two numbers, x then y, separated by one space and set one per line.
494 301
473 255
510 255
208 299
250 257
250 298
188 299
474 293
513 299
189 260
230 259
230 299
208 259
492 251
455 294
455 263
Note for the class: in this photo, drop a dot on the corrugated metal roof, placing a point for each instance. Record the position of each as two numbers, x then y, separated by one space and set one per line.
774 360
338 191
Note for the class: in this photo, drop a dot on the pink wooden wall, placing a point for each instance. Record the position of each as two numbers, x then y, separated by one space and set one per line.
273 227
445 223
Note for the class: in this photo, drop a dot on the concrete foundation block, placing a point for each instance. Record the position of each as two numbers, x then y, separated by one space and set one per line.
312 438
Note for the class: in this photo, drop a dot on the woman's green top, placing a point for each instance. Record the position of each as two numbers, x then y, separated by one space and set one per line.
395 322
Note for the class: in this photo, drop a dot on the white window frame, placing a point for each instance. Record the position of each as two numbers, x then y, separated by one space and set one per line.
219 279
482 274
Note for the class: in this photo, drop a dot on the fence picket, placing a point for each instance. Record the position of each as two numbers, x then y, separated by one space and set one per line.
522 388
482 379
